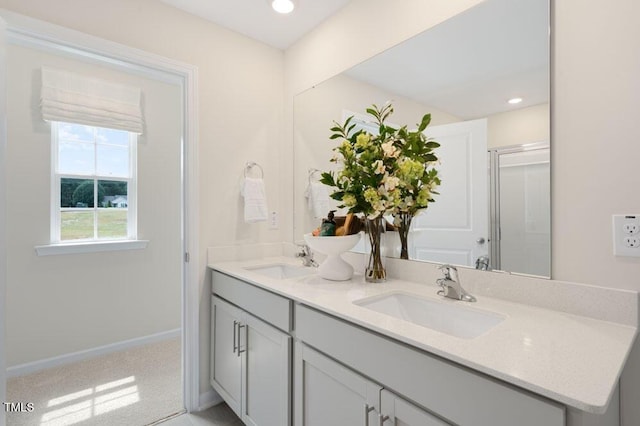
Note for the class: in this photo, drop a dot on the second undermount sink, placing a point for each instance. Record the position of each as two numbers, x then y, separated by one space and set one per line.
281 270
446 317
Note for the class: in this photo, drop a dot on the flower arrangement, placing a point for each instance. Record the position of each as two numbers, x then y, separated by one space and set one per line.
386 173
391 172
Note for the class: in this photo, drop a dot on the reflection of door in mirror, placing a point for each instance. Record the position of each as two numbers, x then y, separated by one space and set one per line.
521 209
454 228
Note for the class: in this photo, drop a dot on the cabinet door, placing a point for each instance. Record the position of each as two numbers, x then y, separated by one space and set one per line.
266 374
226 363
398 412
328 393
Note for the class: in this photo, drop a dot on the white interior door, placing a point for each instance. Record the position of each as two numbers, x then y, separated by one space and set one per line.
454 229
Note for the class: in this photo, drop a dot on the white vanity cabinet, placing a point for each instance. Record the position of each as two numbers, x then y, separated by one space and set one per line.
328 393
226 362
346 374
397 411
446 390
250 359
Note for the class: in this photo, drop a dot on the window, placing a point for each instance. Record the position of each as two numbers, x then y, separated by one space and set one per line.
93 184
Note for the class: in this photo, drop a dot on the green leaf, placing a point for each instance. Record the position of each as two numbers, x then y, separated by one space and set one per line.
337 195
347 121
335 136
327 179
425 122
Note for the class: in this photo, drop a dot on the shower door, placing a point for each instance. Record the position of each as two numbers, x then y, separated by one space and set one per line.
520 219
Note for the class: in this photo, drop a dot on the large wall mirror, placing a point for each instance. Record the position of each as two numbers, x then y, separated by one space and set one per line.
484 77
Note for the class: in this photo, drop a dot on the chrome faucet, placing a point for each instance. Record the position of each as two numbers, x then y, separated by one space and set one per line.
482 263
306 255
451 287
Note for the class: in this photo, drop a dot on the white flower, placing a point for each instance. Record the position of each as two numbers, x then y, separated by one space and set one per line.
378 167
391 182
390 150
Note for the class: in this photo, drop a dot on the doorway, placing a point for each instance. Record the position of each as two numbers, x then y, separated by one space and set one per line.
40 281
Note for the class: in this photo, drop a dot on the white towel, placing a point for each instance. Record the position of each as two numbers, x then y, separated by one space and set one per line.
318 199
255 200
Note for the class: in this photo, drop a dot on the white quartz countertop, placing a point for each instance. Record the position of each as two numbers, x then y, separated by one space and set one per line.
571 359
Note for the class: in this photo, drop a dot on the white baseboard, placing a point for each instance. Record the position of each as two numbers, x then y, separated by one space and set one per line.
209 399
32 367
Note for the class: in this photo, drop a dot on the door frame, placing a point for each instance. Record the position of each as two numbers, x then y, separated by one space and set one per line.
29 32
3 230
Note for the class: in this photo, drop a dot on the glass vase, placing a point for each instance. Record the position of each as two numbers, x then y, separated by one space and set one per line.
374 270
403 223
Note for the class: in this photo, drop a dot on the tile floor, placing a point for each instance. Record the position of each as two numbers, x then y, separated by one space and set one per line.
220 415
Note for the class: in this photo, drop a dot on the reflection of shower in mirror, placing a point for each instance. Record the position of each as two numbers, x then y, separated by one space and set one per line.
520 209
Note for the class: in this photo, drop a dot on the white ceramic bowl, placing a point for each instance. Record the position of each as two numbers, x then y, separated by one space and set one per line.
334 267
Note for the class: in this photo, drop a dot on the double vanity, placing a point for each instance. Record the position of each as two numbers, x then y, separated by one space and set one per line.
288 347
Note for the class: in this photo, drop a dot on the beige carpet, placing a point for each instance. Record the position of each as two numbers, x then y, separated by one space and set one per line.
131 388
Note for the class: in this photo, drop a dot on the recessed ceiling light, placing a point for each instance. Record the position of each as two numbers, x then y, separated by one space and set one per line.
283 6
514 101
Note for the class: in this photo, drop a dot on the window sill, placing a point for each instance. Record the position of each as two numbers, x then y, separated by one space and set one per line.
90 247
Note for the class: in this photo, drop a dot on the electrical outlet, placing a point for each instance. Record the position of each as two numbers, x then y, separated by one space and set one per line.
632 242
630 228
626 235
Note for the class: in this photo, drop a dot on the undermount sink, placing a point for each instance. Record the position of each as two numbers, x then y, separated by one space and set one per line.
281 270
446 317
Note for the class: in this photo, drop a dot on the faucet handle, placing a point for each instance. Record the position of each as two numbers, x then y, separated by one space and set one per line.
305 250
446 270
442 282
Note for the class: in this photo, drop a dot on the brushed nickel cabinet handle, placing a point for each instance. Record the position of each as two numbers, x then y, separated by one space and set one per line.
235 347
367 410
246 339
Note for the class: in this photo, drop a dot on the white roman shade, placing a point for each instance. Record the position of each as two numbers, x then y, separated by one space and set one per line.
75 98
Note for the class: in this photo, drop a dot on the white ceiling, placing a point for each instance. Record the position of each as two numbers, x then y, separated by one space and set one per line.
256 18
470 65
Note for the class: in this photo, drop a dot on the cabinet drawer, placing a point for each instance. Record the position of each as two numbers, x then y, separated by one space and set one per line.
274 309
440 386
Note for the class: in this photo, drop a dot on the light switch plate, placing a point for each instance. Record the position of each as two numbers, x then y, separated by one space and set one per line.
273 220
626 235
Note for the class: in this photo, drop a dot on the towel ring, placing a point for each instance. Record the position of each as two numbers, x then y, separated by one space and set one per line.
312 171
252 164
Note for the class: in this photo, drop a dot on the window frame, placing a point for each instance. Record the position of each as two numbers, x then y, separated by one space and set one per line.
56 177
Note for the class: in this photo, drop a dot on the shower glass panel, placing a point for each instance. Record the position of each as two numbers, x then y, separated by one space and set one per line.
522 192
